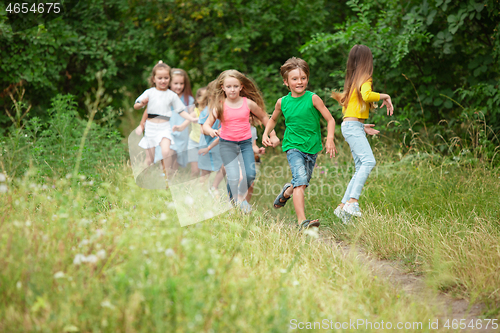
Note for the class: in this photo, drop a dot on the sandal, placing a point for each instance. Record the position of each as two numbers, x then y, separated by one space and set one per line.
306 224
278 203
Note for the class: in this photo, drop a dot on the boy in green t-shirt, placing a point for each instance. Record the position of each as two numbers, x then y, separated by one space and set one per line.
302 139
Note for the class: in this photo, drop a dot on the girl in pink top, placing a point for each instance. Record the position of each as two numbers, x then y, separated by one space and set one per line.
237 99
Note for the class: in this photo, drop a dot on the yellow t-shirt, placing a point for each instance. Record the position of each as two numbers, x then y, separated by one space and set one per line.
361 109
195 128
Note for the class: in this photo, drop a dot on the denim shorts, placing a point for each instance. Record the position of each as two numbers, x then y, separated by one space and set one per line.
302 166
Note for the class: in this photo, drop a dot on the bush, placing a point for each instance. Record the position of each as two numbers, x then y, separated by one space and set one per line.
51 148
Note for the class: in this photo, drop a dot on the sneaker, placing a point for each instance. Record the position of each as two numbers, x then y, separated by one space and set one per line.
352 209
339 212
246 207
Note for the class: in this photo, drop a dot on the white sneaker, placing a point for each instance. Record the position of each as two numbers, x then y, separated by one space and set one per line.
352 209
339 212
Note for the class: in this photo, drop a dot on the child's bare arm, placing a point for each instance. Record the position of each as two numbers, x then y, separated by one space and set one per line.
264 118
142 124
271 123
207 126
320 106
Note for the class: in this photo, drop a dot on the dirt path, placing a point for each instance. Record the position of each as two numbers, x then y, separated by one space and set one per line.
394 272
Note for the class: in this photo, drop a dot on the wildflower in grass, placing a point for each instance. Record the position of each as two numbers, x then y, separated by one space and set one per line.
59 275
2 177
79 258
296 283
68 176
107 304
163 217
101 254
313 232
210 271
19 285
92 259
169 253
3 188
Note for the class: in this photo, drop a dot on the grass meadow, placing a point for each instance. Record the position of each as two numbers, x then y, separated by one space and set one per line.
83 256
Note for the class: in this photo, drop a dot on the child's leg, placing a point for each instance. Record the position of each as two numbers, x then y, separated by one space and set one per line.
363 157
219 177
167 155
150 156
298 202
194 169
302 167
204 176
229 153
248 168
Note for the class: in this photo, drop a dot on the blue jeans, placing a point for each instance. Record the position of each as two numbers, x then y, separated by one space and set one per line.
354 134
301 165
229 151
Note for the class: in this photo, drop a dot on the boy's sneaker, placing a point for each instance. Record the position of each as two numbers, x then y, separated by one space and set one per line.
352 209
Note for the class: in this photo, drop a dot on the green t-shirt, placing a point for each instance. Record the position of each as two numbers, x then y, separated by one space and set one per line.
303 130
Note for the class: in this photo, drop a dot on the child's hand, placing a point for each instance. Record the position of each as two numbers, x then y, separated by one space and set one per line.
176 128
262 150
203 151
266 141
213 133
139 130
195 120
330 148
388 103
370 130
275 141
144 102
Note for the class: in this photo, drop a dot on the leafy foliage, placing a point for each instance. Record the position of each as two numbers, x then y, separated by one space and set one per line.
51 146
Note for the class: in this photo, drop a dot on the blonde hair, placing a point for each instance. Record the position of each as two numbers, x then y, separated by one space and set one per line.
359 70
249 90
291 64
159 65
187 84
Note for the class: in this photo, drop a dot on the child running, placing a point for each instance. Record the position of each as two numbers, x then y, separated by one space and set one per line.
195 134
236 98
357 99
181 85
161 102
209 159
302 110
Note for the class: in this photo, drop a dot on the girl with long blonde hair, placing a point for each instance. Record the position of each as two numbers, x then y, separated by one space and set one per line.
235 100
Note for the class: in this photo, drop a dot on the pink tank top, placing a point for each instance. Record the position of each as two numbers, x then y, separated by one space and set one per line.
236 124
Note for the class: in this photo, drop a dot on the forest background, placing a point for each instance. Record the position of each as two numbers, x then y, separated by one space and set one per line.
439 60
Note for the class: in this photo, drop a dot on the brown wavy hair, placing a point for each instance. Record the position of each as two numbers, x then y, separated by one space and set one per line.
187 84
359 69
159 65
291 64
249 90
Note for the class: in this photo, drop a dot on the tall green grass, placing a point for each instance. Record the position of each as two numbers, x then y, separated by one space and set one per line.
438 214
111 257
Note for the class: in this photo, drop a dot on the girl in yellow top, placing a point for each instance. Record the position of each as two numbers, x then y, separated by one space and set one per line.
357 99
